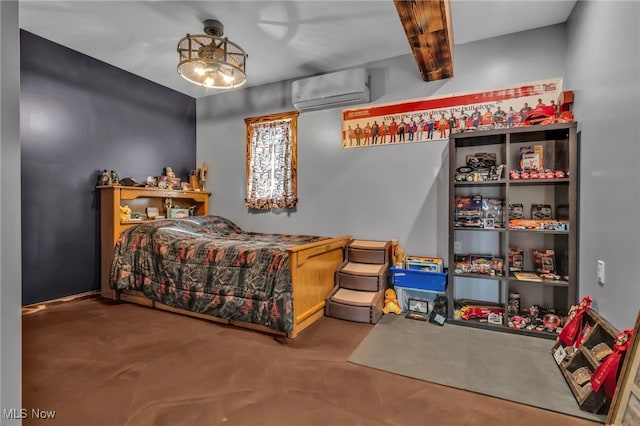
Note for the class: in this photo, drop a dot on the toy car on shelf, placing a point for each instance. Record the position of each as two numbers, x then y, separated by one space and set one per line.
537 174
539 224
479 312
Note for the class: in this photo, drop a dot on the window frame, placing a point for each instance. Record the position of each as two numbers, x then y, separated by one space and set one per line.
251 122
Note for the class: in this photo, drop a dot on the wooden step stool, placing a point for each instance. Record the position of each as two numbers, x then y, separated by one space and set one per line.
360 283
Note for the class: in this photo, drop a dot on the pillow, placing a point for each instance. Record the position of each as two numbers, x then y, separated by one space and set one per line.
220 225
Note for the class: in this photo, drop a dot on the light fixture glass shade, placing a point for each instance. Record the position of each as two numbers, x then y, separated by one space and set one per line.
212 61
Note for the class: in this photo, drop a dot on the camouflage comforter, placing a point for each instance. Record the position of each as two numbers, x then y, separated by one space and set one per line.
209 265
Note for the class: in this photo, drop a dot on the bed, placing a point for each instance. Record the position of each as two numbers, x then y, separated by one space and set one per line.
209 268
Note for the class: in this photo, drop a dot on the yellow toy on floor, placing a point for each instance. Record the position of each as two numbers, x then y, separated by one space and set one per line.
391 302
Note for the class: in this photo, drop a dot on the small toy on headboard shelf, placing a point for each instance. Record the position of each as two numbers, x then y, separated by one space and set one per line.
104 178
172 181
125 213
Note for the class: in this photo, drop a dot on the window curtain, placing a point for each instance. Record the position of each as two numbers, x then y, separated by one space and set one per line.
271 168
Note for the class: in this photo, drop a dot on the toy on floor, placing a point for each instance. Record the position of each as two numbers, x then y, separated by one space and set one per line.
398 254
440 305
391 302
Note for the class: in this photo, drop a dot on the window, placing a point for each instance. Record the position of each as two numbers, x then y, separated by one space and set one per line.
272 161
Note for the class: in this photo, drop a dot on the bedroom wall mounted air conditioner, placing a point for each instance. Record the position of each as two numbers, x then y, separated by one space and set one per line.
331 90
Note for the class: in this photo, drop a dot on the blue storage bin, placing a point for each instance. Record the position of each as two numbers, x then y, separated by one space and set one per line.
406 293
433 281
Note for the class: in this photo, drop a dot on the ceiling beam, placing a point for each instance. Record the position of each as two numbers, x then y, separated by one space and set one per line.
427 24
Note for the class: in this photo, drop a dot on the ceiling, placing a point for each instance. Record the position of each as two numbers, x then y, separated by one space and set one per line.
284 39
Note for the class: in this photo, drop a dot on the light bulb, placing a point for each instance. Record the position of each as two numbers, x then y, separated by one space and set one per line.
208 81
199 71
227 78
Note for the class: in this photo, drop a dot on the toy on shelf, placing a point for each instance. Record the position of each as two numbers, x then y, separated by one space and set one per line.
104 179
540 224
169 180
468 211
125 213
477 309
398 255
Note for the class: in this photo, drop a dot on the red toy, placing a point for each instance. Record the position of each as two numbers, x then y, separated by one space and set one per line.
477 312
606 375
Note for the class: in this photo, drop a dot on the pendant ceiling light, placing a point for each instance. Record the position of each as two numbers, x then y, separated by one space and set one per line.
211 60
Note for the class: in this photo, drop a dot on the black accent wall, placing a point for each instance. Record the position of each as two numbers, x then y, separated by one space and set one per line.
78 116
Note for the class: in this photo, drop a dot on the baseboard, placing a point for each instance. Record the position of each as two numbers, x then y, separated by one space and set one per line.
37 307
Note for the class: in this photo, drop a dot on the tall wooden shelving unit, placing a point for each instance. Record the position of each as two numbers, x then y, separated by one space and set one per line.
138 199
560 143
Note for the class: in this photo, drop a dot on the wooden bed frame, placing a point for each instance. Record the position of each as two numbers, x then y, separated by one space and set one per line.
312 268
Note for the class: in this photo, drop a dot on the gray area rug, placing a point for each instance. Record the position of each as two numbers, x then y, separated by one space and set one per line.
508 366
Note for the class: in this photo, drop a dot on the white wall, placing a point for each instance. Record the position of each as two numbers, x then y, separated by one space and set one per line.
378 192
604 71
10 253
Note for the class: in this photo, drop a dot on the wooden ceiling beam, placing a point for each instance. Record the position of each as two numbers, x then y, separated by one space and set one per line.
427 24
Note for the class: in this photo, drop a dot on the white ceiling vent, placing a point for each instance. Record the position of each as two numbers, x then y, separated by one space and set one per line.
332 90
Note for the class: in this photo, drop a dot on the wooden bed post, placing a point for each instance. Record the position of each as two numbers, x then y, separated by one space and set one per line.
312 267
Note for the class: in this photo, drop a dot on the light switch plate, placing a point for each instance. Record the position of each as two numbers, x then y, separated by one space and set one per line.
600 272
457 247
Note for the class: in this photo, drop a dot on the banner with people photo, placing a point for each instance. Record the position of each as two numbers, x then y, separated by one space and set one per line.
432 119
